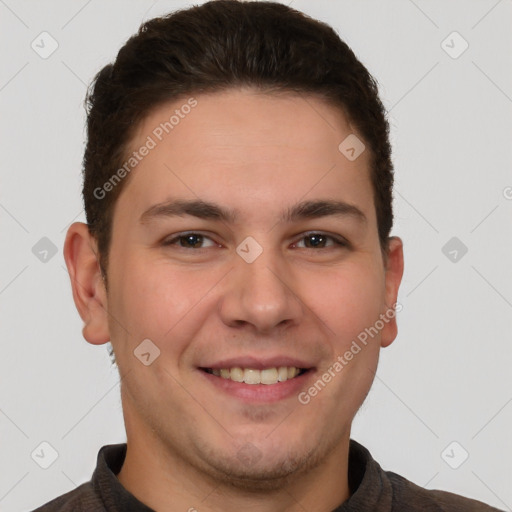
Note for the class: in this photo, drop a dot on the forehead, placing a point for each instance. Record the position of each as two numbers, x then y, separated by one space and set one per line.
245 148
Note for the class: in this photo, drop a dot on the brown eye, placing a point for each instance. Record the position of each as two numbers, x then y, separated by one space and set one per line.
193 241
321 241
316 240
189 241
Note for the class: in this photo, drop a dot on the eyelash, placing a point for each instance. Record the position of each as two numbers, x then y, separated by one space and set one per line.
341 243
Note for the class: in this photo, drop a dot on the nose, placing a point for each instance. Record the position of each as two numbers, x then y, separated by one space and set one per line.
260 296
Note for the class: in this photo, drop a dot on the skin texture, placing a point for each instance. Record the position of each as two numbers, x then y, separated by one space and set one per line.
190 444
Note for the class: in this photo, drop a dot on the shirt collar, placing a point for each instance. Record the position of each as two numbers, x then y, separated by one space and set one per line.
369 487
105 483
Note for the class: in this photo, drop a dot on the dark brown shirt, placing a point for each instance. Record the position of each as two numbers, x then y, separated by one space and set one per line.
372 489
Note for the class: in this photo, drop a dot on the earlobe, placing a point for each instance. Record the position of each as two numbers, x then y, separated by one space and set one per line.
394 273
89 293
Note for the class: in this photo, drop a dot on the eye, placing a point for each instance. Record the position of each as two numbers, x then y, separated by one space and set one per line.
190 241
320 241
311 240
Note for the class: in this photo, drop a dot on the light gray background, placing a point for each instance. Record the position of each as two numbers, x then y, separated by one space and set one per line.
446 377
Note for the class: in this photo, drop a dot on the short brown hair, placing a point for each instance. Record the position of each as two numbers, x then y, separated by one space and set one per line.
219 45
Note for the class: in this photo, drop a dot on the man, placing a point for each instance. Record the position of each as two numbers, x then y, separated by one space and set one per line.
237 187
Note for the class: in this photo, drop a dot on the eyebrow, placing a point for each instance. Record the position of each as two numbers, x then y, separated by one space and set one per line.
211 211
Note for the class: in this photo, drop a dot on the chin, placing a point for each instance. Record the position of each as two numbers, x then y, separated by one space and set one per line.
252 471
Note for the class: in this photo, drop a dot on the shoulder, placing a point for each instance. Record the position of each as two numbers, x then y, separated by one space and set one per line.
407 493
83 499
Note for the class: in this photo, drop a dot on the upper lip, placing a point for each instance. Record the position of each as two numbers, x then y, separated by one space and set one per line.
258 363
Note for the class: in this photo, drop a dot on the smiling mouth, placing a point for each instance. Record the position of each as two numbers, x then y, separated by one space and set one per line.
254 376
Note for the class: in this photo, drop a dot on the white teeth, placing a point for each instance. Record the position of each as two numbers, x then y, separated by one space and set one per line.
269 376
282 374
252 376
237 374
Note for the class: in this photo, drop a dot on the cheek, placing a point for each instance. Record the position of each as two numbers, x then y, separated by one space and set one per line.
347 301
156 300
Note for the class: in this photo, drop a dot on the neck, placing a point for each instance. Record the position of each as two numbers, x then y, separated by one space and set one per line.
165 482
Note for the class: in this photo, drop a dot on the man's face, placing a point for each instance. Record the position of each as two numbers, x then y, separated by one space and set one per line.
210 302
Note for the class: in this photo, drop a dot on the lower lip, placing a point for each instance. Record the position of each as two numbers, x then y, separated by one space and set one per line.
262 393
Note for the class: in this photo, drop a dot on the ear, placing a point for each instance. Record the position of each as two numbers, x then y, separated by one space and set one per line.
394 272
89 292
